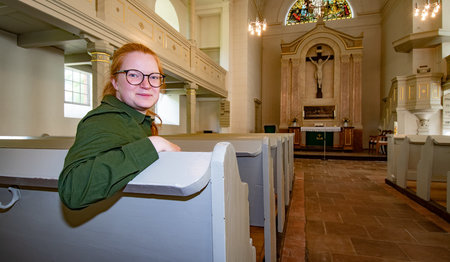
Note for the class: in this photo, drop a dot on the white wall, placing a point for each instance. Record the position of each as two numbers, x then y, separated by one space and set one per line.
176 129
208 113
32 91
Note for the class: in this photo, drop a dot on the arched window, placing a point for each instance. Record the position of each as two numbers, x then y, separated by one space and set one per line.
166 11
307 11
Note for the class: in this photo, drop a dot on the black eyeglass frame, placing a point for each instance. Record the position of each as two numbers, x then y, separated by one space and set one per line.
143 77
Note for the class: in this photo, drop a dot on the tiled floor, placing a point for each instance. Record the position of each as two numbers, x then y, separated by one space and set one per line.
352 215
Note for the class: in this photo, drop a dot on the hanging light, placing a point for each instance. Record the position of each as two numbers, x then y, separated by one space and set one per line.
257 26
435 7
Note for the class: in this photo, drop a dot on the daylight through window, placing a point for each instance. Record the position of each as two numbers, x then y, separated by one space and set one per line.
307 11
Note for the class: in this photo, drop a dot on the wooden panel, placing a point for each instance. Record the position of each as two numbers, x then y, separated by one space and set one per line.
140 22
86 6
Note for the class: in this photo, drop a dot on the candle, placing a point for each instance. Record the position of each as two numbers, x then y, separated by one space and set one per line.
303 114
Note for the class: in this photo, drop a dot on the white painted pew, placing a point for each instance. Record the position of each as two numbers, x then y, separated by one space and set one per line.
434 164
394 142
255 162
277 151
409 154
169 212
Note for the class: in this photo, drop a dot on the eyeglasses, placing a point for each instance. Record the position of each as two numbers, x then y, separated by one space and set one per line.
136 77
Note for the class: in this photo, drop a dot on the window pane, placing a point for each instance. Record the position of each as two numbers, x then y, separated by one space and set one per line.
68 86
84 78
76 87
76 98
76 76
68 74
307 11
84 99
84 89
68 96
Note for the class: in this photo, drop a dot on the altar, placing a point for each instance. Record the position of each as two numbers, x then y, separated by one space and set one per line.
321 89
336 138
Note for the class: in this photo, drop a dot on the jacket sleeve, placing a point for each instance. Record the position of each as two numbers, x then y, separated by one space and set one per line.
101 162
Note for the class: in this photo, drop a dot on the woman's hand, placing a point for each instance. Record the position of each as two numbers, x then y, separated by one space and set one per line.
162 144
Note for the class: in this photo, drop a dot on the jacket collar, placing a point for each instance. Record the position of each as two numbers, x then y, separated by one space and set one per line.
114 102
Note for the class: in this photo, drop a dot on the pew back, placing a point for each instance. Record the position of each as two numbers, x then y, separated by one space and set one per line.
255 160
409 155
181 212
433 164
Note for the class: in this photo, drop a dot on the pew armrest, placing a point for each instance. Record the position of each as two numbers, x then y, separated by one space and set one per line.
172 174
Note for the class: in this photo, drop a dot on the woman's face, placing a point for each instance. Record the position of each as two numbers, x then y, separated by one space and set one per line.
143 96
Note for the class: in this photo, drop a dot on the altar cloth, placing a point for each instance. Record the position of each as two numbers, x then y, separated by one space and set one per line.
320 129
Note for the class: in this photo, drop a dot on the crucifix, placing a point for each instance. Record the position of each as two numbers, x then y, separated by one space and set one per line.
318 62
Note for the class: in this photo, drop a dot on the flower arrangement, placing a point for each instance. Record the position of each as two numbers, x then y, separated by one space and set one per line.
346 120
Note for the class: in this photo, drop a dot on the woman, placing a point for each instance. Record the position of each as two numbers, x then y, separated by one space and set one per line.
118 139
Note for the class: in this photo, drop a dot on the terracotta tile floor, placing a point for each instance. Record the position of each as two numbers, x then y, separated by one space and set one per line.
350 214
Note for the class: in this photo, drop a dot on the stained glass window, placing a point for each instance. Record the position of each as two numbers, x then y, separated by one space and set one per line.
307 11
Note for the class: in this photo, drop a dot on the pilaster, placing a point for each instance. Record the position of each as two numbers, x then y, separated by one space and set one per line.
100 52
191 104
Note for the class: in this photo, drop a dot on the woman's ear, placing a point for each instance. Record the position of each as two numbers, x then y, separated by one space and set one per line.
114 83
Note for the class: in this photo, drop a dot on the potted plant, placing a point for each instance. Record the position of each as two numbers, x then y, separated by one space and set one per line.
294 121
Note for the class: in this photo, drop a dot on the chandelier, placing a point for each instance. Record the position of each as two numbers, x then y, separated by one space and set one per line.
433 7
257 26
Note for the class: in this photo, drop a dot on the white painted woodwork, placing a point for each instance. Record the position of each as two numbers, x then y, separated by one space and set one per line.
433 165
409 154
118 22
393 152
256 168
196 210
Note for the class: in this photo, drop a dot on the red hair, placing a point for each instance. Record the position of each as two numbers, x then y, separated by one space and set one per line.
116 64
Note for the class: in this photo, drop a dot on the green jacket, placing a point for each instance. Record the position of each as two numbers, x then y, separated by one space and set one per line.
110 149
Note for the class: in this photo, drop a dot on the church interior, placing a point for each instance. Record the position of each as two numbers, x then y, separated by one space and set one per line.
355 92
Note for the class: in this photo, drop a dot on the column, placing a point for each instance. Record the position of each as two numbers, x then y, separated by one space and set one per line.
192 25
357 95
191 89
100 52
345 85
296 91
285 96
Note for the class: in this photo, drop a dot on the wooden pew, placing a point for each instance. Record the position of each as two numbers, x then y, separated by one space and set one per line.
394 142
433 165
173 211
409 154
255 162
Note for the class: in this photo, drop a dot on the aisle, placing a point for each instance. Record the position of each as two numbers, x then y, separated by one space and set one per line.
352 215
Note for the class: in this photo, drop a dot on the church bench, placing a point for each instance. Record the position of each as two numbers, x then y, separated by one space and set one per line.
279 144
409 153
394 144
169 212
255 162
433 165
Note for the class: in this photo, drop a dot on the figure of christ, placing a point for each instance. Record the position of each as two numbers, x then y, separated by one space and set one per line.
318 74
